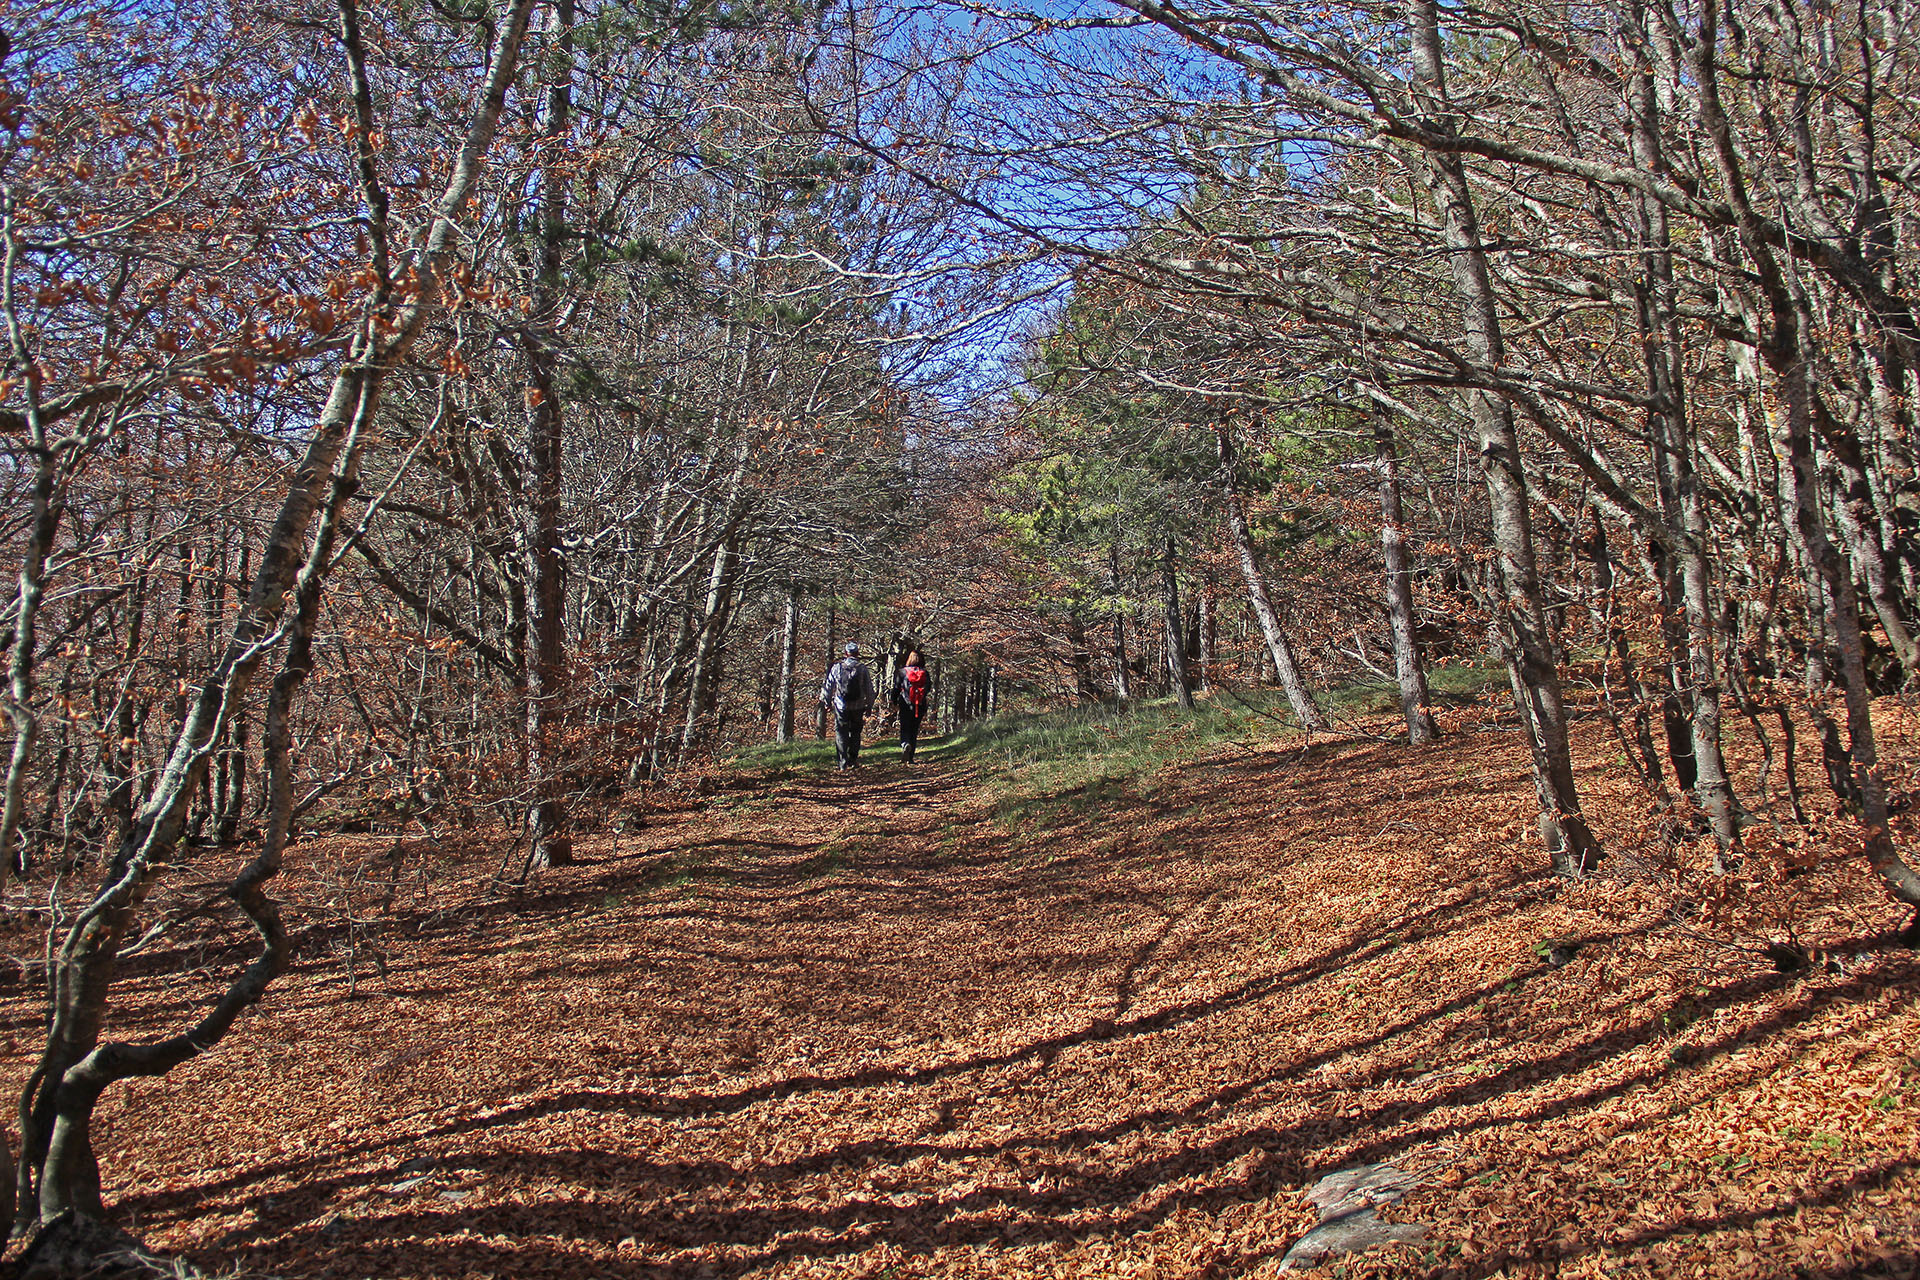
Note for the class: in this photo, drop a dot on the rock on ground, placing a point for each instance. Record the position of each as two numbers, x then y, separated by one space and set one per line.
1348 1223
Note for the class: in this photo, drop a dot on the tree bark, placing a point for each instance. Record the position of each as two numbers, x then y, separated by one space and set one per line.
1122 674
1783 346
74 1067
1409 671
547 673
704 682
1279 647
1208 628
1176 640
1860 524
43 523
833 655
1525 637
789 658
1695 663
1080 657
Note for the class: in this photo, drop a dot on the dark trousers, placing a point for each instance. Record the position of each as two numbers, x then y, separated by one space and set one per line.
909 733
846 739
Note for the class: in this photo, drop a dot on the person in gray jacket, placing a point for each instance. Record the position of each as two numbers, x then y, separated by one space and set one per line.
849 692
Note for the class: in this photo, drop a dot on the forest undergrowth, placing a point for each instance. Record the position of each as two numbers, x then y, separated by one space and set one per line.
1029 1008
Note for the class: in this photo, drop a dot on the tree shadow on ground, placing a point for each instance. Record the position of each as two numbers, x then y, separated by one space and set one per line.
946 1147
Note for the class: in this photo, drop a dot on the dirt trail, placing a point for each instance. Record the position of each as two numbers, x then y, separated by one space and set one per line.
864 1026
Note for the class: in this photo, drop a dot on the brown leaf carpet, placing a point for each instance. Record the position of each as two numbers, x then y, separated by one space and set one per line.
874 1027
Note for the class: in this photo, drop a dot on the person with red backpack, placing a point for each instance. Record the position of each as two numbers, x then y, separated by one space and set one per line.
910 694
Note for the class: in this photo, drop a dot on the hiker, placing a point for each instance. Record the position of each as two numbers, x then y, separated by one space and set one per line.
910 695
849 691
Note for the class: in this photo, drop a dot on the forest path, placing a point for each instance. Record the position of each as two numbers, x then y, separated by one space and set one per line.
908 1022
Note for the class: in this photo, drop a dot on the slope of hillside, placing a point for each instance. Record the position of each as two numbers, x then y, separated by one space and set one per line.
980 1018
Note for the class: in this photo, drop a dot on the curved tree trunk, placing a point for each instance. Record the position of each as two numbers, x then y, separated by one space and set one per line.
56 1171
57 1161
1279 648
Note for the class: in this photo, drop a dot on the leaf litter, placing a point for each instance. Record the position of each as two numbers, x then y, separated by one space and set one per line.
864 1028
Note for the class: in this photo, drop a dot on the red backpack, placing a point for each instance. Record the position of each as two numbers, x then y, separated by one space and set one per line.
913 688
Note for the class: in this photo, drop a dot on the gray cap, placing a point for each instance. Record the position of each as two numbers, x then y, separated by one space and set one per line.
853 650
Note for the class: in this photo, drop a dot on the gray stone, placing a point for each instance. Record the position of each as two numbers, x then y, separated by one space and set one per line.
1356 1232
1361 1187
1348 1223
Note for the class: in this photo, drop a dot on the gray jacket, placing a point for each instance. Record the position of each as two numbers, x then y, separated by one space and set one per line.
849 688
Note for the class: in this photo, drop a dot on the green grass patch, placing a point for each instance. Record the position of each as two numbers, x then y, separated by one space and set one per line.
786 759
1084 749
1047 768
1454 685
1459 683
1155 730
782 761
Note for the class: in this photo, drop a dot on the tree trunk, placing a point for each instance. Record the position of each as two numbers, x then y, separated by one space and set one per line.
1844 609
1525 638
1279 648
1122 675
58 1172
890 681
1182 689
44 521
1784 350
74 1067
1209 637
833 656
1860 523
704 684
547 692
789 657
1080 656
767 672
1415 703
1693 661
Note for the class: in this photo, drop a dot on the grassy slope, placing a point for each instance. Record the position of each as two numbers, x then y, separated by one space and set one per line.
1080 996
